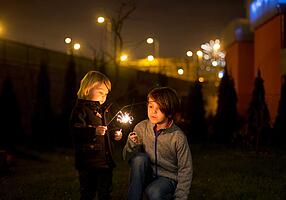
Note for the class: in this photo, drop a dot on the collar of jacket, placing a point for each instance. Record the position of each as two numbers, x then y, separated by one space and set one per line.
169 129
93 105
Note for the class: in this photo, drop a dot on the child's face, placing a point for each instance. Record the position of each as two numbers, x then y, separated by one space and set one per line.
98 93
154 113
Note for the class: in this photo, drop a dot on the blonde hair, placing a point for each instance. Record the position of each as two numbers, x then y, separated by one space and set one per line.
89 81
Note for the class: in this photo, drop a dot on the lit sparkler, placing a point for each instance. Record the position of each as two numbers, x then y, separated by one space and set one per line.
124 117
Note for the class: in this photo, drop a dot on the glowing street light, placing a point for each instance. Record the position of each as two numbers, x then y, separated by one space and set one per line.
2 29
155 42
71 46
76 46
150 58
189 53
201 79
199 54
68 40
123 57
180 71
106 43
214 63
100 20
150 40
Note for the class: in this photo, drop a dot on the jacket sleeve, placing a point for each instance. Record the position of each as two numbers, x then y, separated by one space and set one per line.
83 124
185 168
131 148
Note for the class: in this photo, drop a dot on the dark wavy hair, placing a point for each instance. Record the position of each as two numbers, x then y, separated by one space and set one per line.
167 99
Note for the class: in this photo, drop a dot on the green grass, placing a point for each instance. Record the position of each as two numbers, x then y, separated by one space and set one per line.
219 173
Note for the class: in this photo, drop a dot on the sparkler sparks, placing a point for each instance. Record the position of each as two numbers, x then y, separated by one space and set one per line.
124 117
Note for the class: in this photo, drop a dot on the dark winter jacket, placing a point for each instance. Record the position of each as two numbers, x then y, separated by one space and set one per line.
91 151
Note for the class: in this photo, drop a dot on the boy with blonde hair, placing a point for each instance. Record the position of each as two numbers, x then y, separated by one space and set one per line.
158 151
93 153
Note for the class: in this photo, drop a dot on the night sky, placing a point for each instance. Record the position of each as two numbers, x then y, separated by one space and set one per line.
178 25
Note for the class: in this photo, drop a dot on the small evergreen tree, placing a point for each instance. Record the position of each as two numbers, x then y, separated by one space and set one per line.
42 114
196 114
69 98
10 119
162 80
225 121
258 123
280 121
102 65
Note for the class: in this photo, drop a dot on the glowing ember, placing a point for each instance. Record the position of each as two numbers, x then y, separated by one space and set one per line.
124 118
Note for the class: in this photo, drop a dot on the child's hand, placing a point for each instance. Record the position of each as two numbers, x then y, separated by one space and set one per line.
133 136
118 135
101 130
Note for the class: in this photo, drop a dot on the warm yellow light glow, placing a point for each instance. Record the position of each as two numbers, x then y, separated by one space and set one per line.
180 71
100 20
216 46
68 40
150 58
1 28
214 63
150 40
76 46
199 54
123 57
201 79
189 53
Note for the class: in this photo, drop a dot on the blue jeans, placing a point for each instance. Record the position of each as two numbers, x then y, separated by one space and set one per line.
141 179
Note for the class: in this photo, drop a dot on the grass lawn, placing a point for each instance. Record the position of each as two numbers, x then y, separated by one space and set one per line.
219 173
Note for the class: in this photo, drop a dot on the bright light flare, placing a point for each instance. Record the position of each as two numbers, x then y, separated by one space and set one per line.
150 40
100 20
76 46
150 58
199 53
189 53
124 57
68 40
124 118
180 71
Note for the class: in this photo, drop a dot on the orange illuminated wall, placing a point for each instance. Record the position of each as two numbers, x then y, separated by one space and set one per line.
240 62
268 44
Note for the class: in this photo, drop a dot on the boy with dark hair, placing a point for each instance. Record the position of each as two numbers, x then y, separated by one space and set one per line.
158 151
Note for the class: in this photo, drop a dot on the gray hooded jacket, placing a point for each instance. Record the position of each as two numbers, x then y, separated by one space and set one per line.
169 153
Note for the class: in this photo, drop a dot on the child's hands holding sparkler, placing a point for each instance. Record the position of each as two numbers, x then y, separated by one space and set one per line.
118 135
101 130
133 136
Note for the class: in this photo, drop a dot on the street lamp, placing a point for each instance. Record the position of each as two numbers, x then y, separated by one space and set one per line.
189 54
156 45
123 57
107 36
150 58
199 57
71 46
100 20
180 71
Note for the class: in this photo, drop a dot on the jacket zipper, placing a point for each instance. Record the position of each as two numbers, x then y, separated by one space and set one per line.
156 158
